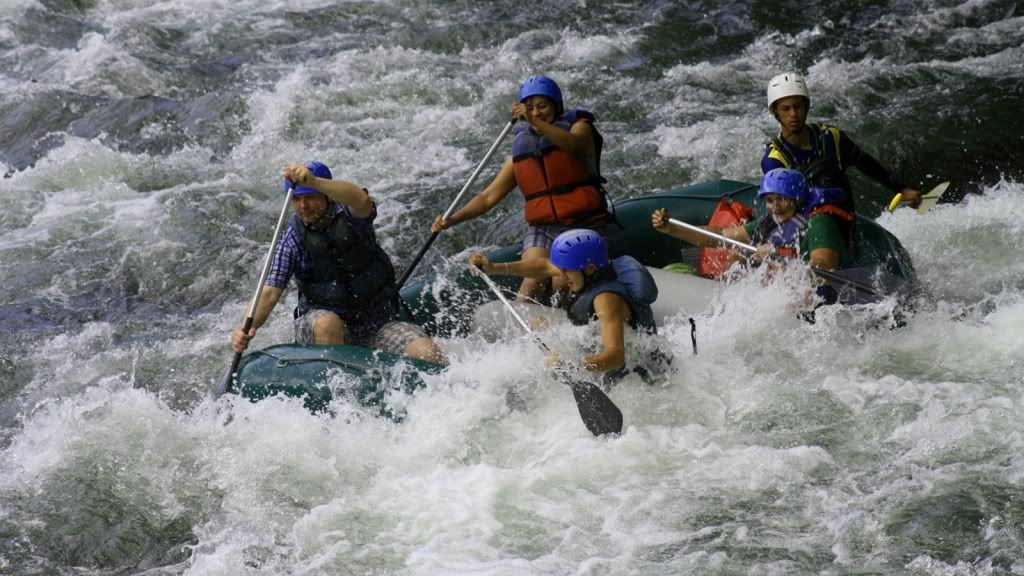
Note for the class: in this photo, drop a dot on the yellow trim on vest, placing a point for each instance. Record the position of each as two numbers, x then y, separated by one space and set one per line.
776 155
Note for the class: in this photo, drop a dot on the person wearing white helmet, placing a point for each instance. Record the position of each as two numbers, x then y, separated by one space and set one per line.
822 153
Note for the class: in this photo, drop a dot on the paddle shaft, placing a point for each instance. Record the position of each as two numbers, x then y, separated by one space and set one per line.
599 413
228 385
451 208
831 276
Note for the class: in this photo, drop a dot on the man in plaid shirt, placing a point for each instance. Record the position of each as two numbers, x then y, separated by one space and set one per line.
347 290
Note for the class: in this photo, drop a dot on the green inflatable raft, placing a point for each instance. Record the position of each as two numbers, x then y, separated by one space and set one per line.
445 306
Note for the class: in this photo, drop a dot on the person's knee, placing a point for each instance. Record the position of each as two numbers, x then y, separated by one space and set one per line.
425 349
534 290
329 329
535 252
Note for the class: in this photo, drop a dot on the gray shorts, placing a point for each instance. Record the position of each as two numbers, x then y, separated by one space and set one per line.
392 337
543 236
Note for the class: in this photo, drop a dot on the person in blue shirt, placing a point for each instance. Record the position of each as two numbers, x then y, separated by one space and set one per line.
822 153
346 282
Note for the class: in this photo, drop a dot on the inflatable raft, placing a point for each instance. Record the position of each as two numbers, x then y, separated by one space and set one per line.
449 305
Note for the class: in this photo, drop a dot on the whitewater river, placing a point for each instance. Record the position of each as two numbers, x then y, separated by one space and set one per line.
141 145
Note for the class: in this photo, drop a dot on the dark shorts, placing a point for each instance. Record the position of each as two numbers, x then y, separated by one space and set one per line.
392 337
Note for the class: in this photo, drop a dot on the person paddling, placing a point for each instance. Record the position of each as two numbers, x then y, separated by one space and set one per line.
347 290
787 229
822 153
555 163
616 292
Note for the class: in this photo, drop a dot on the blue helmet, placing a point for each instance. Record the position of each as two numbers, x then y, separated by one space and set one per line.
785 182
541 86
319 169
574 249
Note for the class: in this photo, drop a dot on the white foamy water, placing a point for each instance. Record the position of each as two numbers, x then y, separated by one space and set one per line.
137 214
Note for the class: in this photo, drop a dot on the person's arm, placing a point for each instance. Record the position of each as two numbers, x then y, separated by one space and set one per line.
341 191
358 200
482 203
612 314
872 168
532 268
285 257
579 140
269 297
659 220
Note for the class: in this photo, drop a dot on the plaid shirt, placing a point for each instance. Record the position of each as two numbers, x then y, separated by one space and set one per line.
288 256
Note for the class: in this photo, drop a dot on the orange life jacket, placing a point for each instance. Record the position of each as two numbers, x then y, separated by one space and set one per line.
557 186
727 213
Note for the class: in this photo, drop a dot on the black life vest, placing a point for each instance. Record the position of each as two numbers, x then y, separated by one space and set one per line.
341 271
824 170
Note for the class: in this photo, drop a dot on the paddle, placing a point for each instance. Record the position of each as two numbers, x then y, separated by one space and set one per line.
830 276
927 201
599 413
451 208
228 382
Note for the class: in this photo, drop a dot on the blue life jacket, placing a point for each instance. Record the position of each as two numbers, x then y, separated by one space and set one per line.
633 283
530 143
784 237
342 272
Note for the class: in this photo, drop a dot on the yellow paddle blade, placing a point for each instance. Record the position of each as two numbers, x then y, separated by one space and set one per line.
895 201
927 200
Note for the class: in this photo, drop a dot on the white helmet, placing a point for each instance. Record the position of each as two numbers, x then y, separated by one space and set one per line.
786 84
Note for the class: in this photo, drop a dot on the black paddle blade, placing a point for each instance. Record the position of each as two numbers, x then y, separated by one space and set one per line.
600 415
225 384
227 381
